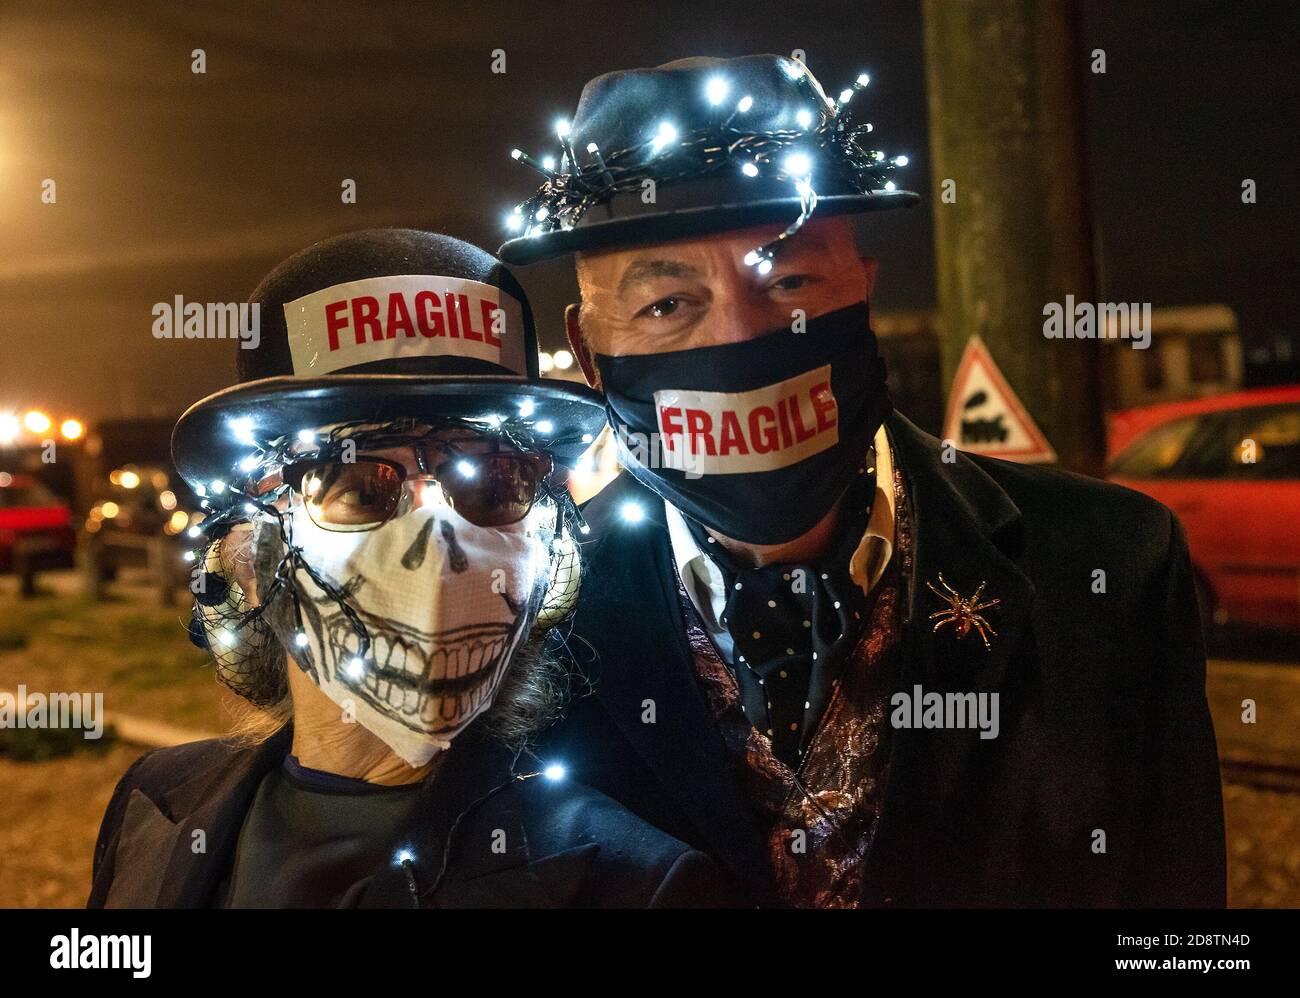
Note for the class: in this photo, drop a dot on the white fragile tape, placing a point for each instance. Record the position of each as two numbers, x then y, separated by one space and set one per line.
409 315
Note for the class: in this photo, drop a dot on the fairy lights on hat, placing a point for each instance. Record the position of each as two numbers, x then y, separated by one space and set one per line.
825 134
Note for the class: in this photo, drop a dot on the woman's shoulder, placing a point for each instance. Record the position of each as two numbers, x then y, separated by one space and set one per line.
211 761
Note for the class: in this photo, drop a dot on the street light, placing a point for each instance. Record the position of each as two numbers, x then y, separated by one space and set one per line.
9 427
37 421
72 429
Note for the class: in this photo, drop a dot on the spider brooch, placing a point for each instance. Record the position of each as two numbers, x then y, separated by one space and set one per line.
964 613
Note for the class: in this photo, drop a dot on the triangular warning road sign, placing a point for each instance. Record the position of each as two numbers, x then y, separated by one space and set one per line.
986 417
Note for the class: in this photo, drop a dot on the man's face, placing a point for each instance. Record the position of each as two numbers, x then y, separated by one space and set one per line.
700 292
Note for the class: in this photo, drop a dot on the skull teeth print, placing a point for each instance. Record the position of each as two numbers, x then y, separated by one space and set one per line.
437 677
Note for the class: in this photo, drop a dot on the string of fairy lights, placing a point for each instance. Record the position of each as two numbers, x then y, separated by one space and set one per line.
826 132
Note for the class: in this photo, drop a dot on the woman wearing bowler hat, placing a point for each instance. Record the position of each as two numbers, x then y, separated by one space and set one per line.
386 548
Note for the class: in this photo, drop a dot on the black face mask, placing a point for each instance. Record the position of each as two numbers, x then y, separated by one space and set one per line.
756 439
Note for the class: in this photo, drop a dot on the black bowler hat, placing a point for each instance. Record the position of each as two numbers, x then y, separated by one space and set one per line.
380 325
725 142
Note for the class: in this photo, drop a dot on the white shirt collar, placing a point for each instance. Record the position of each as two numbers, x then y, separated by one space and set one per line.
703 579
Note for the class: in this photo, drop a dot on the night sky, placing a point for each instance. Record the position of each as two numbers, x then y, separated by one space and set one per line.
174 183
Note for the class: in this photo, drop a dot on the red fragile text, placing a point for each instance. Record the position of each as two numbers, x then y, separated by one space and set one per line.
430 314
760 429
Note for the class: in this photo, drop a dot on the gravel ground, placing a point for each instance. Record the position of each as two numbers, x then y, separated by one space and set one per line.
47 835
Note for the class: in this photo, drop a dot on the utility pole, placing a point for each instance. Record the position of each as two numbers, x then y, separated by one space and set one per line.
1011 225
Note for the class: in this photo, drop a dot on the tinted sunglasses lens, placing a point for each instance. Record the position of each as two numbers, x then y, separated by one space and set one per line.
358 495
491 490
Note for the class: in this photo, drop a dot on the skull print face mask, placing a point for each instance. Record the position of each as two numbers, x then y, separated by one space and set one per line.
445 603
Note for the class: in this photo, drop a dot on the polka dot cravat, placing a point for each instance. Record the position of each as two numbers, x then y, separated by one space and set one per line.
793 624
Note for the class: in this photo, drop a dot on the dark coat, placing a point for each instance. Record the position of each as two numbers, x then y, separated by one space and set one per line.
565 845
1104 721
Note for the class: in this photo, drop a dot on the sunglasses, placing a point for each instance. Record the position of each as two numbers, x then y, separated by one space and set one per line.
489 490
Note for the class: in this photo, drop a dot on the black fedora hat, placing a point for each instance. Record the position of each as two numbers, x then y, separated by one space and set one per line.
701 145
378 326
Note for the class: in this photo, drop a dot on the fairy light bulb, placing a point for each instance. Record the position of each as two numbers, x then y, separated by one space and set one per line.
242 428
745 104
797 164
716 90
666 134
749 170
562 127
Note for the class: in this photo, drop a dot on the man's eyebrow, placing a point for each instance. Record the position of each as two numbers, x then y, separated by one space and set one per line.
646 270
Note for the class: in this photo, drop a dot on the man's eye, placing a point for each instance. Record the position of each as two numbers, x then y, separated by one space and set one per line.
663 307
791 282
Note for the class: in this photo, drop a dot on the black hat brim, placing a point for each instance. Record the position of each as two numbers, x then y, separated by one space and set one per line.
682 223
205 448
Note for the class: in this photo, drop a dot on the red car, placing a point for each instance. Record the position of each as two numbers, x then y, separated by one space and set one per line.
1229 467
32 516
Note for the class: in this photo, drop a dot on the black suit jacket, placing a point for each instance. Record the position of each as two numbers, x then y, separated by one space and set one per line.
1106 740
565 844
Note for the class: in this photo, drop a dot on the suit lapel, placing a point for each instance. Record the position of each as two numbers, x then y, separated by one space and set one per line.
965 526
647 660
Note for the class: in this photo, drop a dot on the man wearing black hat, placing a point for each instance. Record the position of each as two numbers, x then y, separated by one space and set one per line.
855 666
384 552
